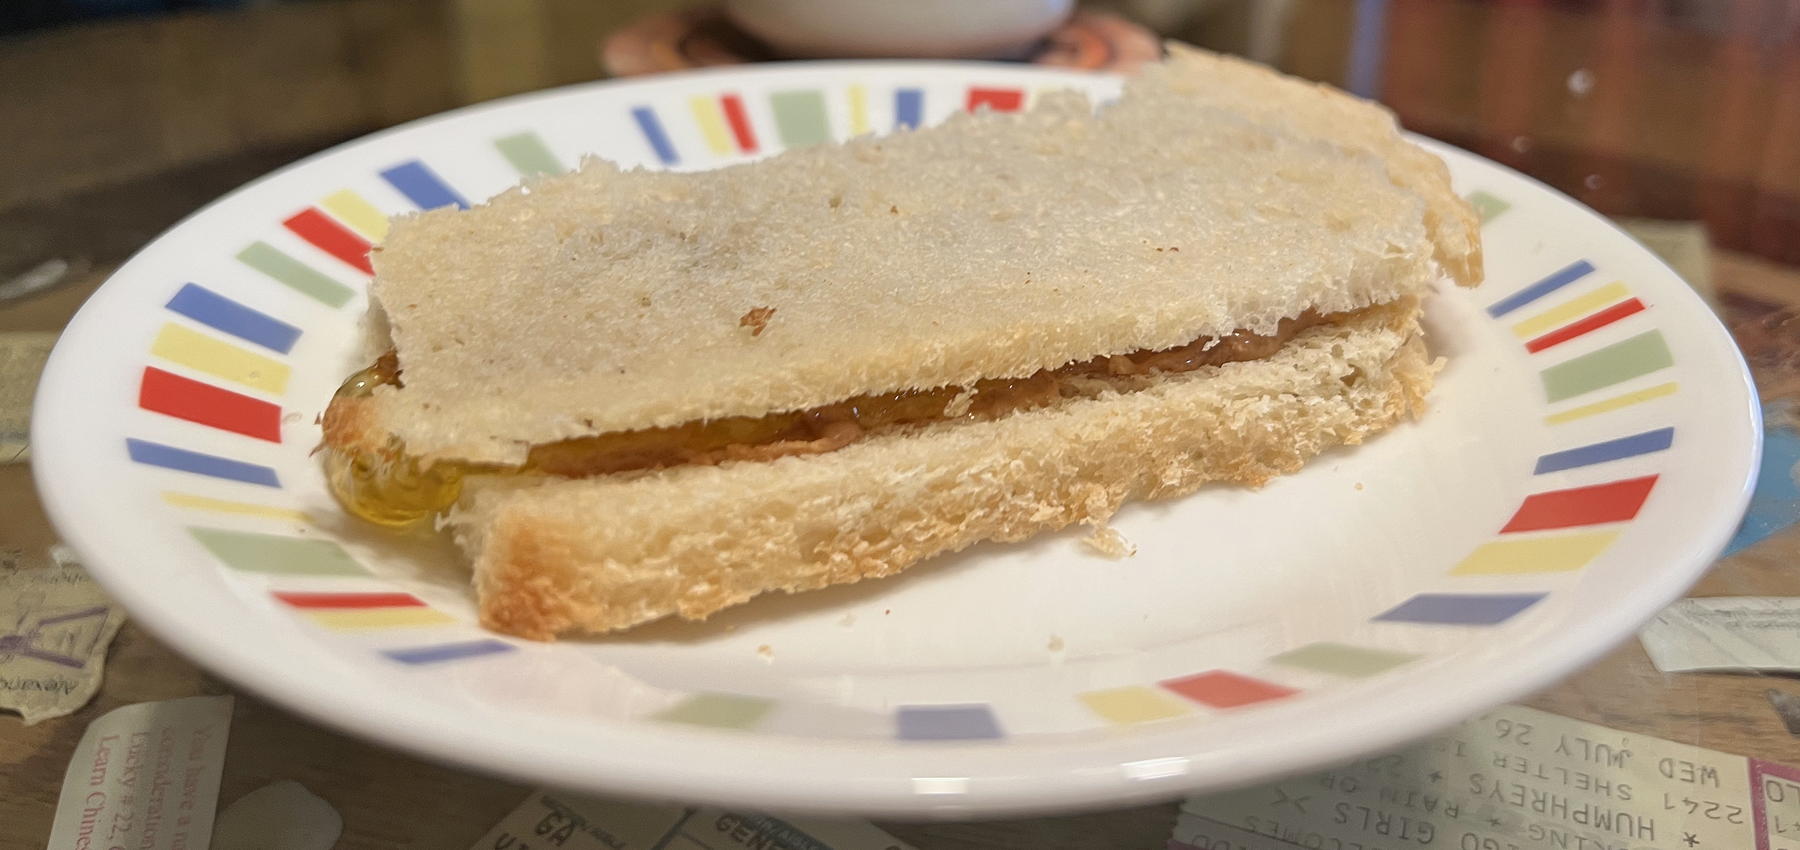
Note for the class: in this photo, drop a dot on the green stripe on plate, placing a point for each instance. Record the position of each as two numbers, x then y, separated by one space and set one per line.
302 278
800 117
273 553
1342 659
1487 206
727 710
1616 363
528 154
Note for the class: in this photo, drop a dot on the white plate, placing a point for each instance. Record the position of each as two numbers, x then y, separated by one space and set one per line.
1550 502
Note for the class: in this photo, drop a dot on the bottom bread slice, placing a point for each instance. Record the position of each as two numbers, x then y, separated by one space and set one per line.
558 557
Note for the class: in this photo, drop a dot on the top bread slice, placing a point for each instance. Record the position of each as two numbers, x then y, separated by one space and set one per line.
992 245
1316 110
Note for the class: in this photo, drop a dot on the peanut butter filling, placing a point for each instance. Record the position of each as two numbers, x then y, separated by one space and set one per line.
392 488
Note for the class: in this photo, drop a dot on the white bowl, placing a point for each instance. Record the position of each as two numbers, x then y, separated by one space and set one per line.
987 29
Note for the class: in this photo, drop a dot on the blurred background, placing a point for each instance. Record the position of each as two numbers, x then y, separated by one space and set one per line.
1680 117
1673 109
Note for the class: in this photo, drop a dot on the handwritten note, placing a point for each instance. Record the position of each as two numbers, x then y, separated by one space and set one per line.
22 357
145 777
1515 779
548 820
1726 633
55 626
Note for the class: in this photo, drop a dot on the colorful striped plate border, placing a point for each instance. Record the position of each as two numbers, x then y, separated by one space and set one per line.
1589 416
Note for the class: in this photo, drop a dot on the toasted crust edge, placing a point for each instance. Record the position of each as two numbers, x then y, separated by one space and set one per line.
543 572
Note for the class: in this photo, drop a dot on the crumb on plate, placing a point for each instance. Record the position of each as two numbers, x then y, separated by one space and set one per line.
1109 542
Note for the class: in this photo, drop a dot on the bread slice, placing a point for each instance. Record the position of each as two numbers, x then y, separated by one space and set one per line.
991 246
600 554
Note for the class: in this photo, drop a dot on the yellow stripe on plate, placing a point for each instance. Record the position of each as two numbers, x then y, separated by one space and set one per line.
1570 310
379 618
712 123
195 350
1558 554
859 110
362 216
225 506
1612 404
1134 704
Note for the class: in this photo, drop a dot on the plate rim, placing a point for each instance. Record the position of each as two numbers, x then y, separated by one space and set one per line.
1098 783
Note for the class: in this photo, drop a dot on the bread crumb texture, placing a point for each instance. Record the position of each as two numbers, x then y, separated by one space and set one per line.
1108 542
1216 195
600 554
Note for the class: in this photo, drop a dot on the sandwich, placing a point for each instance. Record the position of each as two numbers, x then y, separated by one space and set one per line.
634 394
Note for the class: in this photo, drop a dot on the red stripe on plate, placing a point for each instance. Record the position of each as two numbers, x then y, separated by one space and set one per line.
1225 689
349 600
739 121
1591 323
1618 501
999 100
327 235
185 398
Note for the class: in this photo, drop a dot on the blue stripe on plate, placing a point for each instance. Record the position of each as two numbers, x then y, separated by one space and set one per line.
441 652
945 722
223 314
169 457
422 186
653 132
1624 447
909 107
1461 609
1573 272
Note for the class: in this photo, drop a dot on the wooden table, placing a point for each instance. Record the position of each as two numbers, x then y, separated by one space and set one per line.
94 210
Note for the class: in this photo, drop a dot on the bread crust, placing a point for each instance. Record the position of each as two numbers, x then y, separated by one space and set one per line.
598 555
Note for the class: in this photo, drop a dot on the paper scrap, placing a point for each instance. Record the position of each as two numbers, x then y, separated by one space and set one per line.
1726 633
146 777
550 820
1515 779
278 816
55 626
22 356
